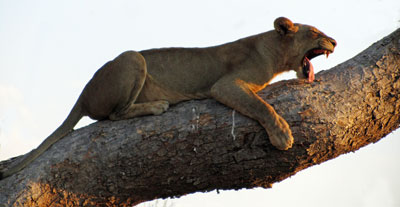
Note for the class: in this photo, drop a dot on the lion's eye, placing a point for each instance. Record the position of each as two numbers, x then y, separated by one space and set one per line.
314 34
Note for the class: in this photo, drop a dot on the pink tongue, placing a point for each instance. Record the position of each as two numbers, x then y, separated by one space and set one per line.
311 71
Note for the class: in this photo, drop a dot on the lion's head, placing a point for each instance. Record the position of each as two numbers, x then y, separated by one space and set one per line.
306 43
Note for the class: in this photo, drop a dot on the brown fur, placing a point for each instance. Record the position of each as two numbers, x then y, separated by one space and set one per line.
146 82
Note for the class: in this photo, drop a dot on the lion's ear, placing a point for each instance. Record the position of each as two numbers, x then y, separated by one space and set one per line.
284 26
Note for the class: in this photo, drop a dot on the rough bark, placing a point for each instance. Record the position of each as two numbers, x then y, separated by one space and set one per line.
203 145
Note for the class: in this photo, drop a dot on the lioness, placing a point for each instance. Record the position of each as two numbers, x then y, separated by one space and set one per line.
146 82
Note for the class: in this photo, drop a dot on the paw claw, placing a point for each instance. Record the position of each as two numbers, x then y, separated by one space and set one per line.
160 107
282 141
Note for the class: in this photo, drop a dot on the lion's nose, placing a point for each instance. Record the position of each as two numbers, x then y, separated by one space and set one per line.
334 43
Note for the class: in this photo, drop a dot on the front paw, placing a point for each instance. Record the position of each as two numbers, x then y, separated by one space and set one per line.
282 141
281 135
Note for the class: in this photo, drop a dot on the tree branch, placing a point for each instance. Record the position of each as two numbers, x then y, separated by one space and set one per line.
191 147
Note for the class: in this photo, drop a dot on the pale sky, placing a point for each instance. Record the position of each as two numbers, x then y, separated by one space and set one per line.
50 49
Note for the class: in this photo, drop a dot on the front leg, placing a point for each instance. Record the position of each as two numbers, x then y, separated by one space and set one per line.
237 94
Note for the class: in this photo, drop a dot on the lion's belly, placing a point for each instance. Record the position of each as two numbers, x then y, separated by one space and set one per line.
152 91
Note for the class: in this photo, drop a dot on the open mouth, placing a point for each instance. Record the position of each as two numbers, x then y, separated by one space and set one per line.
308 69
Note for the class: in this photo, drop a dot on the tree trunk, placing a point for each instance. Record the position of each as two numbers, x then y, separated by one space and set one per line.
199 146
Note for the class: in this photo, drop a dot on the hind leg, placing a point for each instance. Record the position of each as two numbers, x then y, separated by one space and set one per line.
129 109
141 109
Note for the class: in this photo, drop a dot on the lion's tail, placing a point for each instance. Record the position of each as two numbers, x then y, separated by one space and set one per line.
67 126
